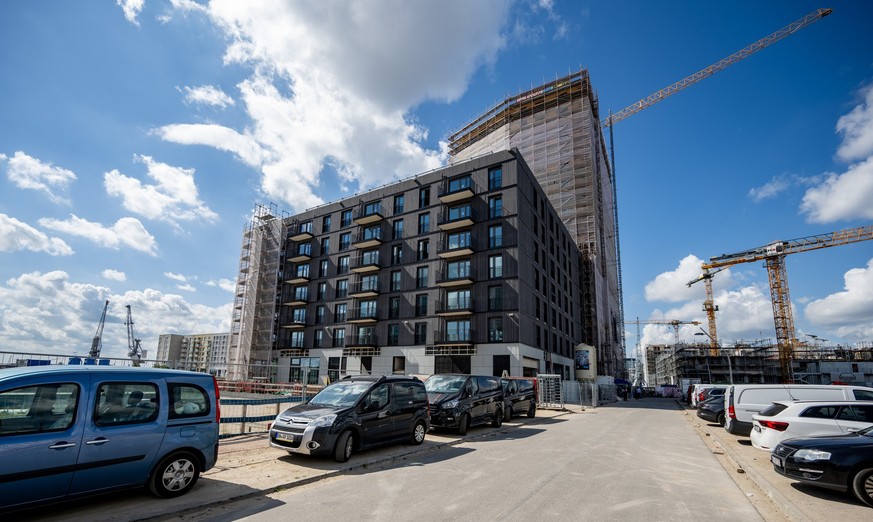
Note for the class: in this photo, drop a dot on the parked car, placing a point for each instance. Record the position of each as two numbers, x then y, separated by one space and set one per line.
788 419
519 397
697 393
840 462
353 414
69 431
742 401
709 393
712 410
461 401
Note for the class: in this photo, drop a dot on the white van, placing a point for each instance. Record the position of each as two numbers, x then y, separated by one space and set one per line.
742 401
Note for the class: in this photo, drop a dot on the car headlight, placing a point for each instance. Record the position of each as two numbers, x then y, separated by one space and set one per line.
450 405
810 455
326 420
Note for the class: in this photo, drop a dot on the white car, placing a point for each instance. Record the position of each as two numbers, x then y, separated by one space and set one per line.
789 419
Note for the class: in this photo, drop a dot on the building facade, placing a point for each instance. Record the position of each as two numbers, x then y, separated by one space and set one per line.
556 127
465 269
196 352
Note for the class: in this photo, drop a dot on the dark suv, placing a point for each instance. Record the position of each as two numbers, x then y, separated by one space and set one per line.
352 414
461 401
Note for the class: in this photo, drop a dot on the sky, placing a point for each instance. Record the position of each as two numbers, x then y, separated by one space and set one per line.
137 136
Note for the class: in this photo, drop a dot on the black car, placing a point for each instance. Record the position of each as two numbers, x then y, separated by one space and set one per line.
519 397
841 462
352 414
712 409
460 401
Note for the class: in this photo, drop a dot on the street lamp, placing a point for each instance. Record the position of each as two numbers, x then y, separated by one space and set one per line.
730 366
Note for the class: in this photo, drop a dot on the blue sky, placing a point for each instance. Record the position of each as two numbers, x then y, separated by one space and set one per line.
136 137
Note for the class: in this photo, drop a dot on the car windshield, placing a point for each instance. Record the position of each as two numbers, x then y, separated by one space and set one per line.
341 394
444 383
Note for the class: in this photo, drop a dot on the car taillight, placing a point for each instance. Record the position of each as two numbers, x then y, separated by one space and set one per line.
731 413
217 400
774 425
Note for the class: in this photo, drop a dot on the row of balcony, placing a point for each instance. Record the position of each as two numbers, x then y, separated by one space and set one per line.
368 339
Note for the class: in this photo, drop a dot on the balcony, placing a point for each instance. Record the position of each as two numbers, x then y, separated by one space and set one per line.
362 340
302 254
297 299
295 323
455 248
368 238
455 218
453 338
363 315
369 213
459 306
457 189
301 231
364 289
455 276
298 278
366 263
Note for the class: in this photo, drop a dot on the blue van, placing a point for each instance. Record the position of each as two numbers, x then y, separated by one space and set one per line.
67 431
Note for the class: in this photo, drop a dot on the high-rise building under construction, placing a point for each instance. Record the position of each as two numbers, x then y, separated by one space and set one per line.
556 127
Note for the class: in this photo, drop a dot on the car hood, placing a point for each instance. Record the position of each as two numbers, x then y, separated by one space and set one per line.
850 439
311 411
438 398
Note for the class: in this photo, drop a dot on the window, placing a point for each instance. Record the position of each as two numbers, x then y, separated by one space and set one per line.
495 266
321 292
398 229
319 339
423 197
345 241
374 232
398 204
393 334
395 281
299 316
423 247
342 266
325 246
495 236
322 268
495 298
302 271
459 240
325 224
34 409
460 212
305 227
370 257
373 208
420 305
458 331
458 300
458 269
304 249
335 367
495 178
345 218
495 329
420 333
495 207
394 308
370 283
398 366
297 339
501 364
186 400
339 312
366 335
368 309
421 274
396 254
458 184
301 293
423 223
319 314
342 288
339 337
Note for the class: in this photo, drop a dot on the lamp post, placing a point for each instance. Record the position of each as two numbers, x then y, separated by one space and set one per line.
730 366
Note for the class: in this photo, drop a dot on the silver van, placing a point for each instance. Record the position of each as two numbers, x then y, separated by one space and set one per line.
742 401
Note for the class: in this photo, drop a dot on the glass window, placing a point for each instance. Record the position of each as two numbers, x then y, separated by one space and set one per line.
301 293
370 257
342 288
305 227
319 314
345 241
396 254
495 178
459 240
420 305
302 271
34 409
420 333
374 232
304 249
325 246
366 335
342 266
345 218
423 223
460 184
495 298
495 329
421 274
373 208
495 236
297 339
322 291
423 247
299 315
395 280
458 330
460 212
368 308
423 197
495 266
495 207
398 229
394 308
398 204
339 337
319 339
186 400
325 224
339 312
458 269
370 283
393 334
458 300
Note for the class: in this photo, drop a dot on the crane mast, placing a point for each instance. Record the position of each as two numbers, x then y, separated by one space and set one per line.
133 344
688 81
97 341
773 256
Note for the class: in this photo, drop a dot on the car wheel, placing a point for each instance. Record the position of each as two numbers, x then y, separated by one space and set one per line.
862 485
507 414
345 444
175 475
532 412
720 419
463 424
497 420
419 430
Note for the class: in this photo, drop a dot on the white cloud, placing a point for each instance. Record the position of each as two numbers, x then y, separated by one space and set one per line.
126 231
672 286
16 235
336 91
849 312
114 275
48 313
30 173
172 199
769 190
225 284
206 95
131 9
175 277
186 288
841 196
856 128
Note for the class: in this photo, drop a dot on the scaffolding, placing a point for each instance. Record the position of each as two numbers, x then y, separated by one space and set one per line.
556 128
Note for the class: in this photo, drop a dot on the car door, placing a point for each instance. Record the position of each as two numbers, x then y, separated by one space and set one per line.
855 417
408 400
376 412
814 421
120 443
40 436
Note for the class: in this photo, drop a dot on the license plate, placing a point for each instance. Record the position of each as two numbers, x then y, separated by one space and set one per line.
285 436
776 461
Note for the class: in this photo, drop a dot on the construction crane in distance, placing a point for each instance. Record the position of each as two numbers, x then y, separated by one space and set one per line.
97 342
688 81
675 323
134 350
773 256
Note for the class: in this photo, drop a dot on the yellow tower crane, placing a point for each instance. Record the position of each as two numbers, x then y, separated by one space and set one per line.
773 256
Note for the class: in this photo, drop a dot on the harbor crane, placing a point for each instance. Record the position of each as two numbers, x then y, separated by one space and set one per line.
773 256
133 344
97 342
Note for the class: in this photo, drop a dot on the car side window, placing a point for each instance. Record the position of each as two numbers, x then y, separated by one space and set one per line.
859 413
126 403
35 409
863 395
471 387
377 398
187 400
820 412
